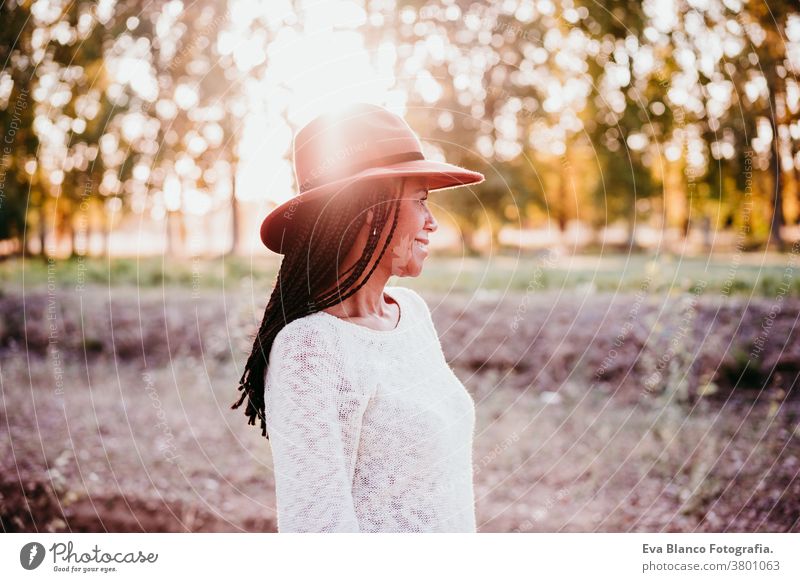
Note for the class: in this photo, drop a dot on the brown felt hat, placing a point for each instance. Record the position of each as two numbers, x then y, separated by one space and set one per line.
359 142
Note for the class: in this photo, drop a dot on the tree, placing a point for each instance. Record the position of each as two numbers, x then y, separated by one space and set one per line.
19 141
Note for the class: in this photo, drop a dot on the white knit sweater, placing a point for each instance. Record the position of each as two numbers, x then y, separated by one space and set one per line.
370 431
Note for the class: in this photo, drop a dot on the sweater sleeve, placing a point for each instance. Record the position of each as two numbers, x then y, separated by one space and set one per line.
313 418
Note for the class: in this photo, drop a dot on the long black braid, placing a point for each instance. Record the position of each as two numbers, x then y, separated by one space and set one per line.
307 280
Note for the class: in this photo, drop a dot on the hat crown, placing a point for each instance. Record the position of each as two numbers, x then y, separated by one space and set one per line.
338 144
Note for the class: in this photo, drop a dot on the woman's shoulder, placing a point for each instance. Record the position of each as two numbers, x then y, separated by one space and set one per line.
409 294
418 307
304 333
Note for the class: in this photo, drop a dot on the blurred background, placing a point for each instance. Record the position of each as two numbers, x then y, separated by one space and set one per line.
620 296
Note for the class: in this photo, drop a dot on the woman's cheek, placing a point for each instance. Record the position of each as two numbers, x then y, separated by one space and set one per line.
401 255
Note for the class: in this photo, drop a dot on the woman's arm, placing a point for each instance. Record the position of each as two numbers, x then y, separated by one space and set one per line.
313 420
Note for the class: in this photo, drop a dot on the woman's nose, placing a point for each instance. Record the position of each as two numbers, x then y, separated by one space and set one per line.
431 224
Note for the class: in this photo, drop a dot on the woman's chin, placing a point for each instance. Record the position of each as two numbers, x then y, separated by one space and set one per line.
410 269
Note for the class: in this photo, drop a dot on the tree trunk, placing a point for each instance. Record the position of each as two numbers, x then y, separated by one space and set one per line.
705 225
563 196
88 235
776 220
27 235
183 232
494 230
796 192
73 237
42 234
467 234
234 213
632 244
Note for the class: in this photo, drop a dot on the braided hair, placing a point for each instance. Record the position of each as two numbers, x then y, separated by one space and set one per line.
308 275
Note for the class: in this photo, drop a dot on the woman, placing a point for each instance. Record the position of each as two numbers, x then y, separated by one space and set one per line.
371 430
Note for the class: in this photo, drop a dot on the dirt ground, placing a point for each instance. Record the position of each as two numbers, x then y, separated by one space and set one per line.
595 413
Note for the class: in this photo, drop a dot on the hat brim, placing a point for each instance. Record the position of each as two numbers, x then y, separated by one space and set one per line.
441 176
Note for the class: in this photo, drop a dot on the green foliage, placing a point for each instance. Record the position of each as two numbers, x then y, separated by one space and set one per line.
511 103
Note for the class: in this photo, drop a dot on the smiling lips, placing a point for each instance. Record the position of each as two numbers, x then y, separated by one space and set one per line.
421 243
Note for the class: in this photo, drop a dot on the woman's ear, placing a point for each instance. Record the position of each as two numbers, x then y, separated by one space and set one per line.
370 216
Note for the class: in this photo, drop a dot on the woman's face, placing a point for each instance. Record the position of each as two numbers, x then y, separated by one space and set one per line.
415 224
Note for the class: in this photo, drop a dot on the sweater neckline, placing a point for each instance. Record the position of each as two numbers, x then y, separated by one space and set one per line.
357 326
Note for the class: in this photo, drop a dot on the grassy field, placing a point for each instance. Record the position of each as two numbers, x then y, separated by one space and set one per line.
666 402
743 274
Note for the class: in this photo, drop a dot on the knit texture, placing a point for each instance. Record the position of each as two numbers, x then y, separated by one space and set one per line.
370 431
